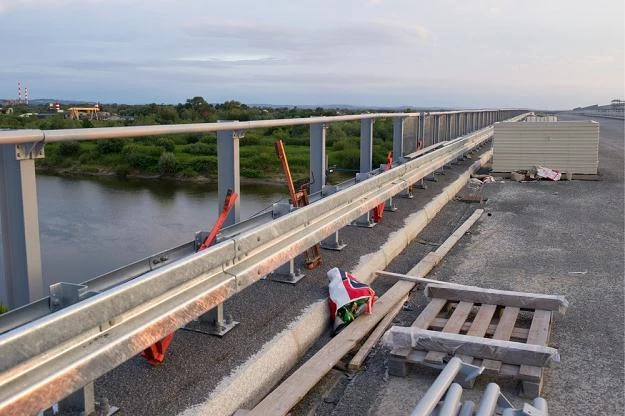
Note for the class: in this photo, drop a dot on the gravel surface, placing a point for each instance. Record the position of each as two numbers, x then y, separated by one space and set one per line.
548 237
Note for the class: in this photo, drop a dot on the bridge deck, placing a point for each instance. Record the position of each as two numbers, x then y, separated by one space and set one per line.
561 238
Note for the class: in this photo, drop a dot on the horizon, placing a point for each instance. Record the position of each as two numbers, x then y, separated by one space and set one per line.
367 54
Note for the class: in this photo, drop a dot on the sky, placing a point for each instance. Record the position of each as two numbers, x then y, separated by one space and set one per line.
546 54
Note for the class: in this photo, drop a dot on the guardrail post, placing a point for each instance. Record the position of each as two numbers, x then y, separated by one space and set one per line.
317 157
366 145
20 261
398 139
227 178
334 242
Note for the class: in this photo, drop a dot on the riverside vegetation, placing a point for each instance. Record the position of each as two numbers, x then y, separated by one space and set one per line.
194 156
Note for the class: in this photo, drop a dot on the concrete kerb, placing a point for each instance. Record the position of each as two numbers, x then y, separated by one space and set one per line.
252 380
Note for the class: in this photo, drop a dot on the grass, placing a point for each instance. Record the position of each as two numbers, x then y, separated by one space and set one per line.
196 154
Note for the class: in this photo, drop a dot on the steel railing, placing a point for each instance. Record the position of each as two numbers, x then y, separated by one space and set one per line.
47 359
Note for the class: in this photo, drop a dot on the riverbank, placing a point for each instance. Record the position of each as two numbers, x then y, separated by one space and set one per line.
73 172
199 179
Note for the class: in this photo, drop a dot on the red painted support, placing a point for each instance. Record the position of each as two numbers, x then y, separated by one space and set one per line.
155 353
378 211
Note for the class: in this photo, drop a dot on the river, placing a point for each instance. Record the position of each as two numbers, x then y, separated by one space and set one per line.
91 226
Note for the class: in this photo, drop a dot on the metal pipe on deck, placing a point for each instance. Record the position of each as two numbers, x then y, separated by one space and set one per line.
438 388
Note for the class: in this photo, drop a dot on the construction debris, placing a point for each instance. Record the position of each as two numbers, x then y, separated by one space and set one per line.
493 400
553 174
536 173
475 333
348 298
284 397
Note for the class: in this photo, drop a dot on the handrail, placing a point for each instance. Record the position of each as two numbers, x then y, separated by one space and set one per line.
49 358
98 133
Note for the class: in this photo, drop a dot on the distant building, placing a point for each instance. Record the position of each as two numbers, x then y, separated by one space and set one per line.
618 104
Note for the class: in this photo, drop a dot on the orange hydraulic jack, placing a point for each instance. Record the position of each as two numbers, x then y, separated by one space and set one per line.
379 210
312 256
155 353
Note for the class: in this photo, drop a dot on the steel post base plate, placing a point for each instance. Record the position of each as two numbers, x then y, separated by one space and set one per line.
221 328
291 278
332 246
369 224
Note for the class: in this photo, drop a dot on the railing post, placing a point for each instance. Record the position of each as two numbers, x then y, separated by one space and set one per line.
317 157
21 278
398 138
366 145
228 178
228 172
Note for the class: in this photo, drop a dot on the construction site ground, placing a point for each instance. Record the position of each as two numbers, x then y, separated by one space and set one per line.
562 238
548 237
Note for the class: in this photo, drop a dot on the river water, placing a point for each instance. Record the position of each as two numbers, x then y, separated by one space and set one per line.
91 226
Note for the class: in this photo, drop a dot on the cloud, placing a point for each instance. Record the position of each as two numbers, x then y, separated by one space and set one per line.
495 11
258 36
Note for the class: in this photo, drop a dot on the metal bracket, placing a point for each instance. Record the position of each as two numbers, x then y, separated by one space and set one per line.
217 325
26 151
64 294
282 208
333 242
469 372
389 205
528 410
291 275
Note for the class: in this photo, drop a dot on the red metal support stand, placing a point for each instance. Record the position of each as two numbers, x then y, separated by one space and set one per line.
155 353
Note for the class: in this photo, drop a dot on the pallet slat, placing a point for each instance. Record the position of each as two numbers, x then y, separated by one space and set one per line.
480 325
503 333
538 335
432 309
453 326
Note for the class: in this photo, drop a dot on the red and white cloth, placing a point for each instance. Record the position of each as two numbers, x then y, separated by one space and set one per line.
345 289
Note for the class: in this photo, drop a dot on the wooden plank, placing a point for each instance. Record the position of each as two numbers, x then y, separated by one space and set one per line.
498 297
480 325
453 326
430 311
503 332
493 349
538 335
519 333
297 385
363 352
417 279
294 388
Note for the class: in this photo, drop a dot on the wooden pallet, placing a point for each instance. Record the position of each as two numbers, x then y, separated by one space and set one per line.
494 315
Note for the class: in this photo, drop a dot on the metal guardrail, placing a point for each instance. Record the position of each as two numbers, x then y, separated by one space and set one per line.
47 359
620 115
49 136
49 304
